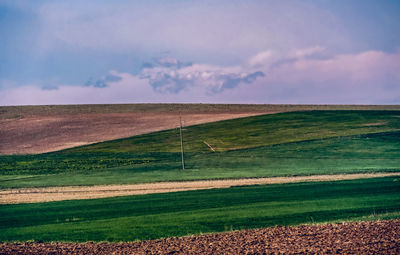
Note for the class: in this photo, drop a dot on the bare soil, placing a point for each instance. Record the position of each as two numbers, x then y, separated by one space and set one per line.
44 133
373 237
36 195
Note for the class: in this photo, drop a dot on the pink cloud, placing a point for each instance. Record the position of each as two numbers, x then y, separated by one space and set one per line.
365 67
370 77
301 53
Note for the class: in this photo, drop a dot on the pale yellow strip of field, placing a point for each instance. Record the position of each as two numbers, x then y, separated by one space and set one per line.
36 195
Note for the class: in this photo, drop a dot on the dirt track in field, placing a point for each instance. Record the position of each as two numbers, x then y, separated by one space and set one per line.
374 237
39 134
36 195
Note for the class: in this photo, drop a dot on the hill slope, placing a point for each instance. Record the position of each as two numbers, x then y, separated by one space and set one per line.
38 129
297 143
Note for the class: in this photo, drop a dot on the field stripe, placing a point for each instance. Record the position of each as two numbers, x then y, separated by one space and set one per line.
37 195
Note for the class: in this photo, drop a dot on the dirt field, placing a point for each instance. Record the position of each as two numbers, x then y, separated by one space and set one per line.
36 195
38 134
377 237
38 129
44 133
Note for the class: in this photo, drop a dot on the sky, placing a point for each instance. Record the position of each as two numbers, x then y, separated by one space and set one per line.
217 51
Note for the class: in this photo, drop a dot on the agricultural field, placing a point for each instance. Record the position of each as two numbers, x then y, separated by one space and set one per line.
362 143
156 216
367 237
40 129
283 144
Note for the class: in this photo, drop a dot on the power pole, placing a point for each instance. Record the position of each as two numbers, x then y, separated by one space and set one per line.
182 149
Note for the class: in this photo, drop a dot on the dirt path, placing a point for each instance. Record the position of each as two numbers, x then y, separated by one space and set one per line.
373 237
36 195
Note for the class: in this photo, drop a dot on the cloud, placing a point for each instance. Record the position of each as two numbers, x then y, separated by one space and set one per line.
369 67
270 58
173 76
167 62
47 40
127 89
104 81
243 27
262 58
301 53
369 77
231 81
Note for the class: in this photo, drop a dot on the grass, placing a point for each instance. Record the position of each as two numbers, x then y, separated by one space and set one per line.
285 144
298 143
193 212
255 131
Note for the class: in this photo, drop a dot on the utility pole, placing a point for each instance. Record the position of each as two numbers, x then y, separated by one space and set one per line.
182 149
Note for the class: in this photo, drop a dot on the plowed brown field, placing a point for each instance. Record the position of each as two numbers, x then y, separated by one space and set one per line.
38 134
376 237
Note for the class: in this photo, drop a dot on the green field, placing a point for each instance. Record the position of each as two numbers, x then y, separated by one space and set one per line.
285 144
193 212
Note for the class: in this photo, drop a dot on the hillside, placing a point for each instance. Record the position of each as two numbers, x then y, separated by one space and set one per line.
296 143
38 129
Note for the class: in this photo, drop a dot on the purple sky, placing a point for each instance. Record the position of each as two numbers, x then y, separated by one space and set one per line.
312 52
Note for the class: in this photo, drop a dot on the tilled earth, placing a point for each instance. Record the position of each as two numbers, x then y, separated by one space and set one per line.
376 237
39 134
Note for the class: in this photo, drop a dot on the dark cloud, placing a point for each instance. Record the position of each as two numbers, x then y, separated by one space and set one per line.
103 82
231 81
167 80
169 84
166 62
172 76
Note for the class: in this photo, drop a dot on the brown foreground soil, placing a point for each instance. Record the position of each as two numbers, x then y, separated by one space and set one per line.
374 237
37 195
